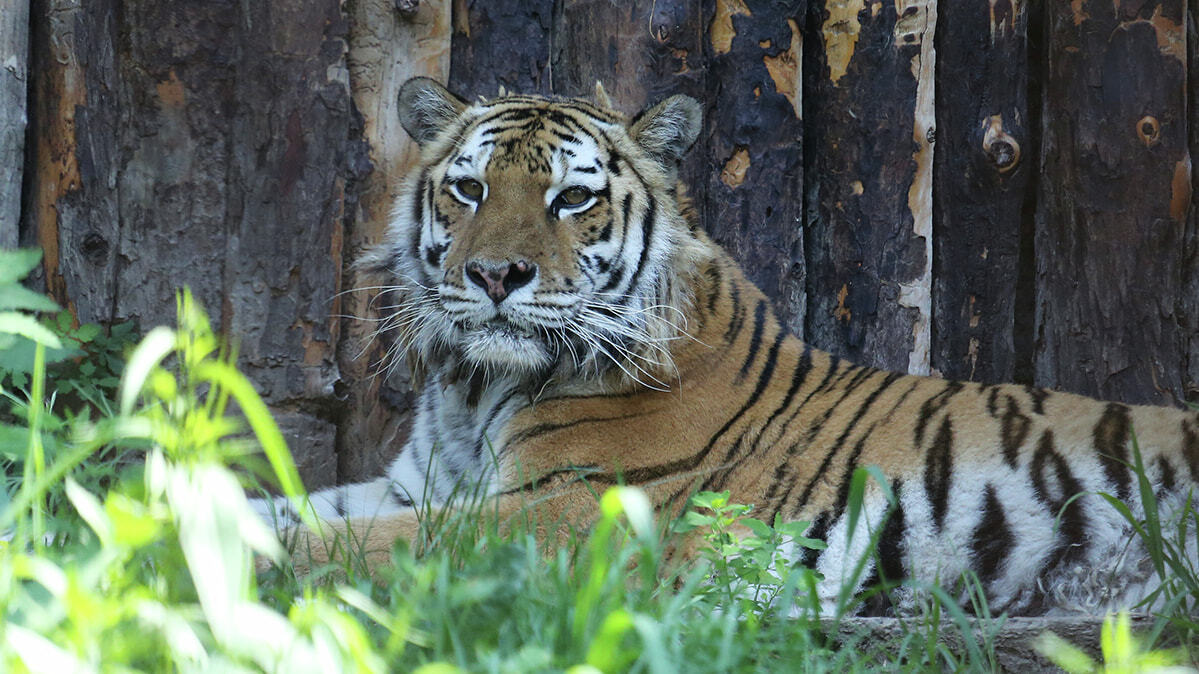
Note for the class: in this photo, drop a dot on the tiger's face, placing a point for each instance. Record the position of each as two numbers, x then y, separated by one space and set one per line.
538 234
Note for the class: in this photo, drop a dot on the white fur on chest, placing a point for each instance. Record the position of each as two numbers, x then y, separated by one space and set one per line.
452 444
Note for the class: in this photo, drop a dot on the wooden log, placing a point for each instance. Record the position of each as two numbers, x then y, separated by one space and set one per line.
211 146
74 122
984 156
869 132
14 66
1111 292
501 43
386 48
646 53
755 147
1189 309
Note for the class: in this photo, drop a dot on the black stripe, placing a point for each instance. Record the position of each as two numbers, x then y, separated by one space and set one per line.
861 375
737 315
818 531
1167 473
1190 448
833 382
339 501
802 368
1074 522
932 406
938 472
713 274
647 230
418 211
399 499
615 279
903 398
541 429
763 383
892 540
1038 397
755 341
1111 444
495 410
1014 427
993 402
992 539
822 472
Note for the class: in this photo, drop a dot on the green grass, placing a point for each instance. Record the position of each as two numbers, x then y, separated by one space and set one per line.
149 566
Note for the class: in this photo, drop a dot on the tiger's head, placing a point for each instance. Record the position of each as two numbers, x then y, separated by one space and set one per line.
538 236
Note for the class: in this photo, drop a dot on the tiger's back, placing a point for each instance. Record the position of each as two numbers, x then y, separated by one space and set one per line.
979 472
571 325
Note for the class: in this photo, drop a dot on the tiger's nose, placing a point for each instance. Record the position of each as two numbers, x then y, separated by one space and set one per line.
500 279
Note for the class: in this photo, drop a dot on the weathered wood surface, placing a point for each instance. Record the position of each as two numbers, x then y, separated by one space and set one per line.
985 154
211 146
754 146
988 189
1113 315
386 48
1013 640
869 134
501 44
14 69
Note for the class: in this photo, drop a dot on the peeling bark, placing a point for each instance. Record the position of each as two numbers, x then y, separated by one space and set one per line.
1111 286
385 50
869 136
984 158
753 139
210 146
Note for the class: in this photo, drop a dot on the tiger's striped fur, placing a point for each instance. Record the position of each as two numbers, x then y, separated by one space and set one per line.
636 351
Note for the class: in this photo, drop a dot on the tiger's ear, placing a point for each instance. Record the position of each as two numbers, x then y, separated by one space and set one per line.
426 108
667 130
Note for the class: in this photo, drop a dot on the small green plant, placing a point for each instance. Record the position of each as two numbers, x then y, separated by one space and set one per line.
159 574
1169 532
1122 652
747 555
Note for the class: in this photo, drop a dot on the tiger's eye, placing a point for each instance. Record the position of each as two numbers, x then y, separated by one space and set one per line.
574 196
470 188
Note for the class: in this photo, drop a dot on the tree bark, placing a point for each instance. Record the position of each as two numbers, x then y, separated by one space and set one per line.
984 157
386 48
754 144
14 66
869 133
645 54
1111 294
211 146
501 44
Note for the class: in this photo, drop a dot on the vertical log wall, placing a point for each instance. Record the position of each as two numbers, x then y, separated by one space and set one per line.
14 69
990 190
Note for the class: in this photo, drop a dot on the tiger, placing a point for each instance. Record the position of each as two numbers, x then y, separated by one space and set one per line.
569 327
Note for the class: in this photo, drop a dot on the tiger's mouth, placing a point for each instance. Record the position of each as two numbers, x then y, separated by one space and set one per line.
502 344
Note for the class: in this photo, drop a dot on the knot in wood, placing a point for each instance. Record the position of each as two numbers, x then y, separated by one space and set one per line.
1148 130
94 247
407 8
1000 147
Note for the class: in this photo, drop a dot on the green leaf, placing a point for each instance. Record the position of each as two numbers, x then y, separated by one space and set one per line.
86 332
19 297
13 440
26 326
16 264
758 527
18 356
